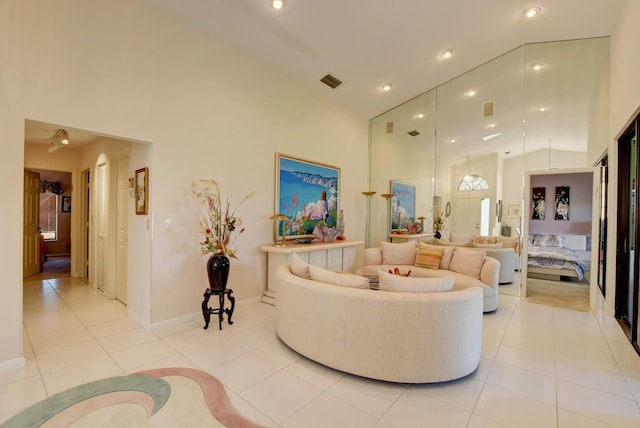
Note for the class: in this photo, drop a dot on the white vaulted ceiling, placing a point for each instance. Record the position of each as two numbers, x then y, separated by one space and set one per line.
366 43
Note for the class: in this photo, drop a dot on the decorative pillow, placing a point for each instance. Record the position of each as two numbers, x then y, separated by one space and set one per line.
398 254
509 242
468 262
445 243
335 278
390 282
461 238
299 267
478 239
544 240
429 258
480 245
447 253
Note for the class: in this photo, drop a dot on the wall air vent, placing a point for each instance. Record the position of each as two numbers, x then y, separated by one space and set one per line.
413 133
331 81
389 127
487 108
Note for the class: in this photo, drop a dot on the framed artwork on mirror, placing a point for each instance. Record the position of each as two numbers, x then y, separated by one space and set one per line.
403 204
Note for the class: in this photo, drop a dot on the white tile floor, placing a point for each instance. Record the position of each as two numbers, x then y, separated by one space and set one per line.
541 367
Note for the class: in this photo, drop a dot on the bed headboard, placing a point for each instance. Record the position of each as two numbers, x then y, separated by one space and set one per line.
576 242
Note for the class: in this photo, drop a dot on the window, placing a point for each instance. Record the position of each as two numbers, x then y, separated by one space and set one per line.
49 216
473 182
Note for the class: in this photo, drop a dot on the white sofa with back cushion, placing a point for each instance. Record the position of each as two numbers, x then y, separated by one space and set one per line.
395 336
470 268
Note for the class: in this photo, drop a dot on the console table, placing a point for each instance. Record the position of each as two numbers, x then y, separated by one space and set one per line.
407 237
334 255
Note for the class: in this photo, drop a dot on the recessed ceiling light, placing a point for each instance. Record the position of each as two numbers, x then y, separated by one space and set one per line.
446 54
420 115
277 4
491 125
491 136
537 67
453 140
532 12
471 92
543 108
386 87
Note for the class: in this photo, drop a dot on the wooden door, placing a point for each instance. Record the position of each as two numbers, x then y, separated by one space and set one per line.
122 229
31 235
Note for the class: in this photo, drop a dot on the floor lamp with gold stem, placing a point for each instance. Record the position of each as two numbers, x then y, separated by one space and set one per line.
367 195
388 197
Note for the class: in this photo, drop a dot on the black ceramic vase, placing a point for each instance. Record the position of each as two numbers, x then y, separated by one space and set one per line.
218 272
437 234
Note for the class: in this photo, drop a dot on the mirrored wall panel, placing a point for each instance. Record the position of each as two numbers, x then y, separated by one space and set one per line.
463 147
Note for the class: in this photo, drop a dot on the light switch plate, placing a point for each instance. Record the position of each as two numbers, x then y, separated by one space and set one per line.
168 223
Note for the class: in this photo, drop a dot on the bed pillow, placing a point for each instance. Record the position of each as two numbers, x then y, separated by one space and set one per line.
447 253
391 282
545 240
398 254
429 258
299 267
336 278
468 262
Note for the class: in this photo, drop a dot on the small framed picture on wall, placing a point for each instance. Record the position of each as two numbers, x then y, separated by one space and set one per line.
142 191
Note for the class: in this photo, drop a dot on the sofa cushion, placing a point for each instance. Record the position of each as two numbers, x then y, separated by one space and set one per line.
391 282
461 238
345 279
447 253
467 261
445 243
299 267
509 242
429 258
481 245
480 239
398 254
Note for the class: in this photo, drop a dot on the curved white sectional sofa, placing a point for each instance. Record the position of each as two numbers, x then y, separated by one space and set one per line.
488 281
390 336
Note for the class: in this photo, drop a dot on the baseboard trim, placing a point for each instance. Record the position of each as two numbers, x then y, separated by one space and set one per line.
12 364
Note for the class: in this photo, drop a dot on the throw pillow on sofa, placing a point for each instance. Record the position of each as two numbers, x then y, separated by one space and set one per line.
461 238
468 262
391 282
447 253
344 279
480 239
299 267
509 242
429 258
481 245
398 254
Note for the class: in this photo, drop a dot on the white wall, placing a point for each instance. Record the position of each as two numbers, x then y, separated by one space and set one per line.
121 69
625 101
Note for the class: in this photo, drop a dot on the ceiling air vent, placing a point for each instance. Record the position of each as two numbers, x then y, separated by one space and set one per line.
331 81
413 133
487 108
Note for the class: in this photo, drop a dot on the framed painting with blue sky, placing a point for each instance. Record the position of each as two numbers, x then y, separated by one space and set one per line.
403 204
307 193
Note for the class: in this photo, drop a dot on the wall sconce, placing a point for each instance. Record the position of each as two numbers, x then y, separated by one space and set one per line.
283 223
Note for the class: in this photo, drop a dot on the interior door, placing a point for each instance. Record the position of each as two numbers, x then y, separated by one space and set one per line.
627 266
31 234
101 226
122 229
467 216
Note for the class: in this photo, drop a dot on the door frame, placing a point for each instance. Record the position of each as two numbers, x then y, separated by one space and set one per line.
526 213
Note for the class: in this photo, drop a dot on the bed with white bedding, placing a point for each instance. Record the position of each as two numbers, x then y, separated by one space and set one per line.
552 256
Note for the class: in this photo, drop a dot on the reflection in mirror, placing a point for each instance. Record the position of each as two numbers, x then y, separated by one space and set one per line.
489 123
401 150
